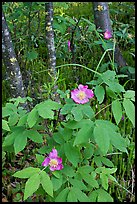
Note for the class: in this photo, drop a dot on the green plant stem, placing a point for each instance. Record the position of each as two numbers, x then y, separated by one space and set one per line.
43 169
124 188
79 65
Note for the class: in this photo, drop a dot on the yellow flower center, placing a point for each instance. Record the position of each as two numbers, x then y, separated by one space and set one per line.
81 95
53 162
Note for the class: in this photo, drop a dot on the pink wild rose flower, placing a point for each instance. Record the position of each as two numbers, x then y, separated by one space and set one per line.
69 46
82 94
53 161
107 35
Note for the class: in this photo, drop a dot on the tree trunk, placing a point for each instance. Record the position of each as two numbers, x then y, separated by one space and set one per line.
51 49
102 21
11 63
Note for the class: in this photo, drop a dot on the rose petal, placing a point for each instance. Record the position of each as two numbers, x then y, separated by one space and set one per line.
46 162
53 154
59 160
59 167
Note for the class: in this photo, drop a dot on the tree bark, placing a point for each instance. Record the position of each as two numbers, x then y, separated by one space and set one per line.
51 47
102 21
11 63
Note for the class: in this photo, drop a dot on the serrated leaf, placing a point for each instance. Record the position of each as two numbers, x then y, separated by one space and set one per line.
102 138
88 111
13 119
103 196
77 113
22 121
117 111
57 183
90 180
26 173
66 109
130 94
71 153
5 125
9 140
62 196
83 135
93 196
118 142
116 87
104 180
20 142
46 113
78 184
34 136
68 171
72 196
82 197
46 183
40 158
6 112
97 160
130 110
32 185
107 162
100 93
32 118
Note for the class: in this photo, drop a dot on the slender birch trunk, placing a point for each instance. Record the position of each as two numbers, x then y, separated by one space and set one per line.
11 63
102 21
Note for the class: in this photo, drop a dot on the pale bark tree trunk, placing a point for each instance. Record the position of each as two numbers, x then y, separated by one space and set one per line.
11 63
102 21
51 48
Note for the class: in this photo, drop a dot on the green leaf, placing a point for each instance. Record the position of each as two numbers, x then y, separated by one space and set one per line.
116 87
77 113
72 196
9 140
118 142
83 135
5 125
90 179
88 111
32 185
97 160
72 153
23 120
93 196
82 197
45 113
104 180
100 93
40 158
66 109
117 111
130 94
103 196
57 183
13 119
68 171
62 196
32 118
130 110
20 142
88 151
46 183
6 112
107 162
26 173
78 184
34 136
31 55
102 138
